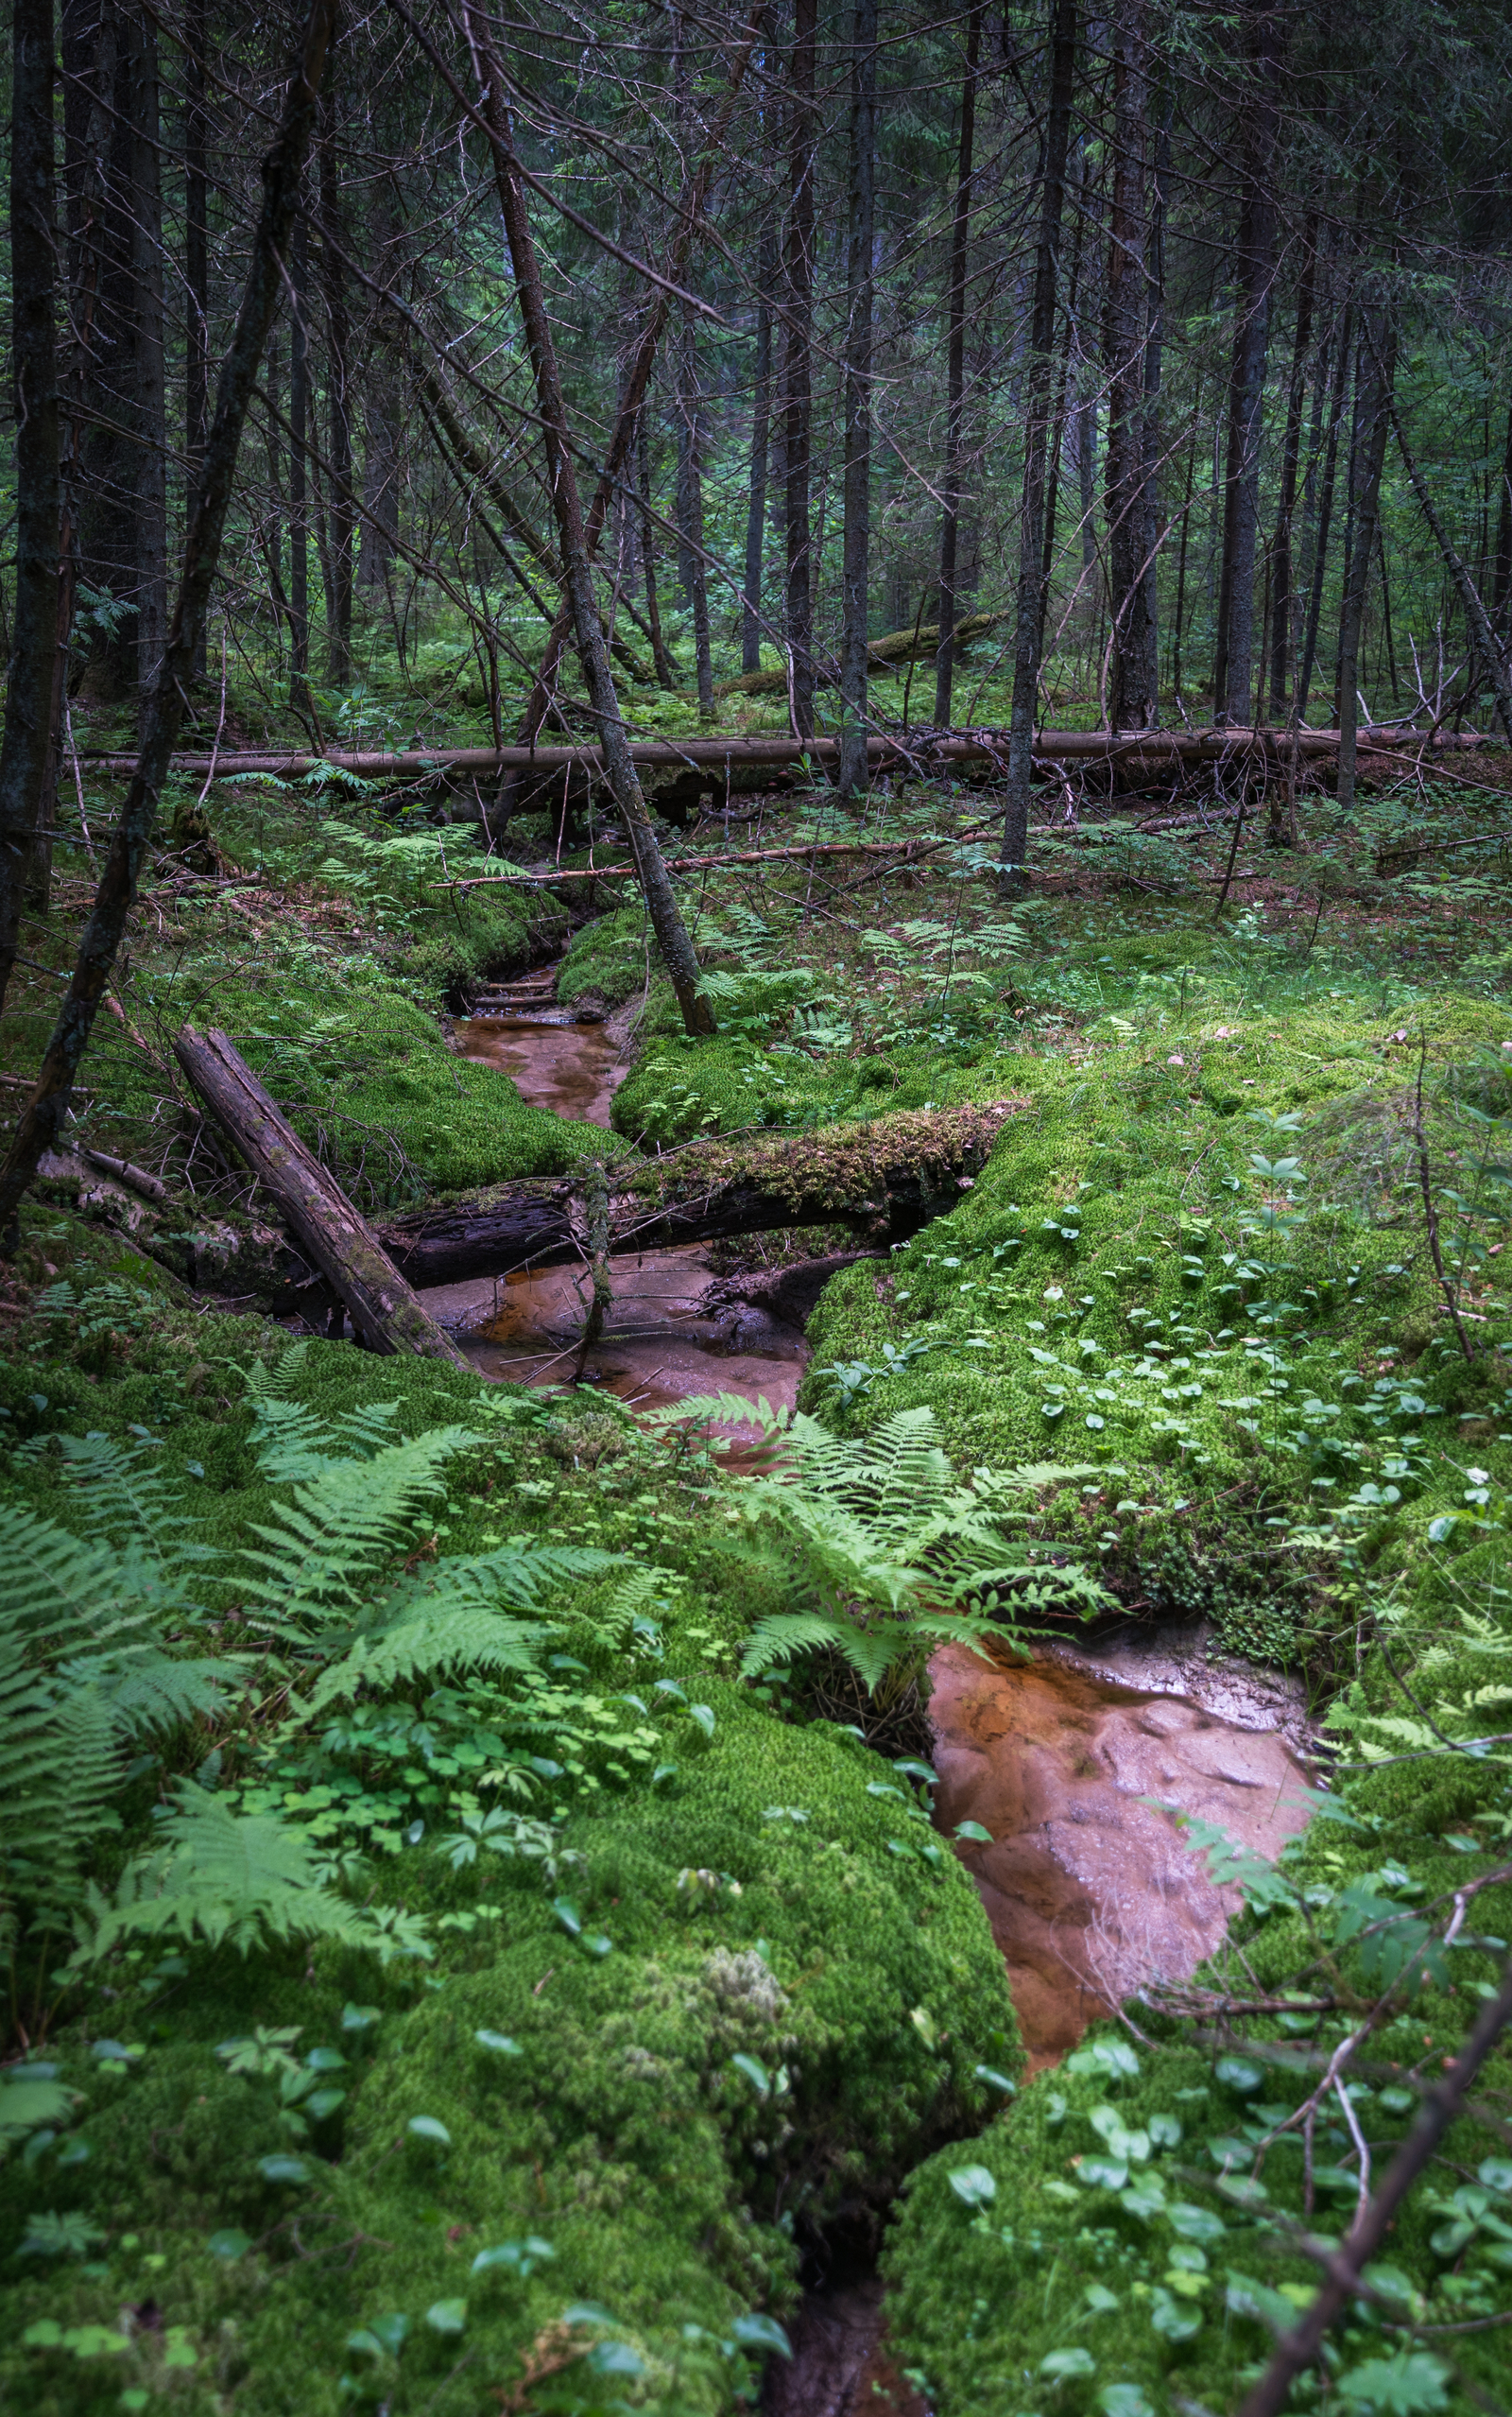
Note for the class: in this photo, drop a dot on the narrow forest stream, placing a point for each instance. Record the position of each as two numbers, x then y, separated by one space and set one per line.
1065 1756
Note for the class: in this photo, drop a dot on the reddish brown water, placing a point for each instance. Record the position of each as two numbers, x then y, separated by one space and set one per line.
573 1069
1092 1893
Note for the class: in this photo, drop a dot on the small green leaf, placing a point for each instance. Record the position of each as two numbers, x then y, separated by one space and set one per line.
229 2244
762 2333
498 2043
996 2081
359 2018
292 2169
1123 2400
974 1833
1402 2386
755 2073
568 1915
1061 2364
429 2127
975 2184
1239 2073
447 2316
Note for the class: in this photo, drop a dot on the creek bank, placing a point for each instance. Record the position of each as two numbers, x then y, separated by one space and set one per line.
1091 1889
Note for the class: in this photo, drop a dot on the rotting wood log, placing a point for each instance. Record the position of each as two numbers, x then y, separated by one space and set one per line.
885 1178
1142 750
883 654
385 1313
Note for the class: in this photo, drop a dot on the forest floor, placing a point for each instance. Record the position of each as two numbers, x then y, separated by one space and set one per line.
463 1967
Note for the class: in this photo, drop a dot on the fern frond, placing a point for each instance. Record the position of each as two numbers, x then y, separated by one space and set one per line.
147 1693
725 1409
875 1545
324 1549
292 1443
452 1617
222 1877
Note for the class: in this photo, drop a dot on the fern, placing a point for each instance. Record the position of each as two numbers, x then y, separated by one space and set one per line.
449 1618
875 1545
82 1669
325 1549
229 1879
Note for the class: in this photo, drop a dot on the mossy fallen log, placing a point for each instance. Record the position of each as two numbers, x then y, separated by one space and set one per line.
886 1177
383 1308
884 654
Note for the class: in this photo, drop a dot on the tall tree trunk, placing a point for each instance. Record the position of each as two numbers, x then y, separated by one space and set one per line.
1377 377
342 515
855 577
1060 421
1281 593
1325 509
1502 565
761 432
1491 653
299 473
195 253
1254 270
1030 617
950 474
577 577
1133 672
152 415
667 670
26 750
691 570
798 363
97 126
41 1121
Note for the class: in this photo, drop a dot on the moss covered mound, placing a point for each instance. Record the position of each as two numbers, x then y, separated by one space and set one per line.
1243 1350
715 1995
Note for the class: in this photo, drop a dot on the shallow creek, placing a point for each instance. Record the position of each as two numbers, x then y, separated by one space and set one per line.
1090 1886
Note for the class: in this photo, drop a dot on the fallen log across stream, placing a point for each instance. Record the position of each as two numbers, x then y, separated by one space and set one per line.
886 1177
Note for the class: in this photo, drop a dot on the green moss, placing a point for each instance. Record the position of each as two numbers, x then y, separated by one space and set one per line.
755 1899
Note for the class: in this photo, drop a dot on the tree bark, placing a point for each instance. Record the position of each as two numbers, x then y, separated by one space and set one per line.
385 1313
342 515
41 1121
299 470
25 751
97 132
761 429
1281 593
691 202
667 670
1254 270
151 414
1133 672
951 476
1477 620
1377 374
1325 509
798 363
1032 568
693 577
577 578
856 560
196 254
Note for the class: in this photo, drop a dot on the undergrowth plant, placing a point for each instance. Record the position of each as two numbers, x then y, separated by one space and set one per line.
879 1546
